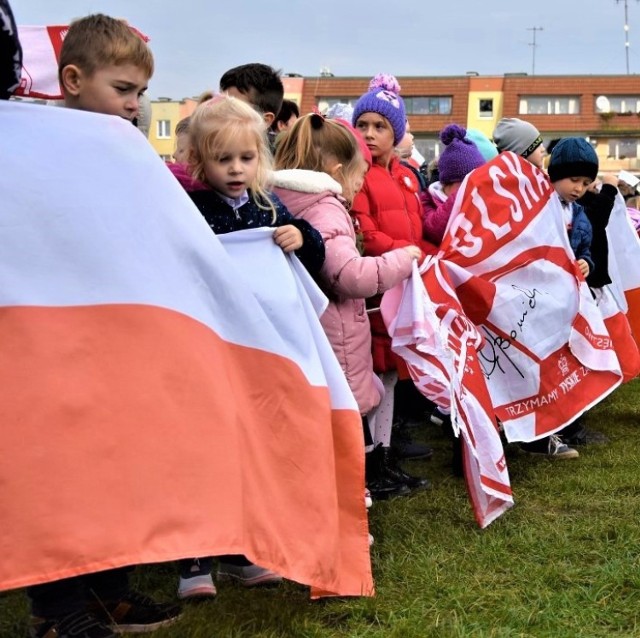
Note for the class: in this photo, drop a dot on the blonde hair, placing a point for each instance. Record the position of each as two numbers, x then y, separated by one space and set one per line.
98 41
312 141
633 202
214 124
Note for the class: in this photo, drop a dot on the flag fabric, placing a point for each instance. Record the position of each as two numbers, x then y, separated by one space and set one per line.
165 397
505 280
624 257
41 47
439 345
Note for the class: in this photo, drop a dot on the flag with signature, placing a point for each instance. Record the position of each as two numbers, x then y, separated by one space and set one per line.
506 270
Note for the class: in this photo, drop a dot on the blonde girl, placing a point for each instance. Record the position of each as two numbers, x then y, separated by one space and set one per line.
227 173
226 176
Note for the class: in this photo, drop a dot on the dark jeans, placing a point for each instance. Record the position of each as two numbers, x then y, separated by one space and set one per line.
202 566
62 597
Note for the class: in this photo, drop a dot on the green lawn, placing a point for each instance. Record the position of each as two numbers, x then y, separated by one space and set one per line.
564 562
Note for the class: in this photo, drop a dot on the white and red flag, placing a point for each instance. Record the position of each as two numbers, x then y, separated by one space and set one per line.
514 319
163 397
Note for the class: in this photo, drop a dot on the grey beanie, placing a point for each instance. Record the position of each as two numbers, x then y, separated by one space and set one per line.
513 134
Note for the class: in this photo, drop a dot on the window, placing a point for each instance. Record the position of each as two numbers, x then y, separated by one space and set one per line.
485 107
618 104
549 105
625 148
163 129
429 147
428 105
325 103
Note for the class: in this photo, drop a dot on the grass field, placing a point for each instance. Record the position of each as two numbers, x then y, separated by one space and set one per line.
564 562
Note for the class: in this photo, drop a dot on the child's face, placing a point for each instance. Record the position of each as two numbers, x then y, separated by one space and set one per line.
378 135
234 170
537 157
181 154
571 188
112 90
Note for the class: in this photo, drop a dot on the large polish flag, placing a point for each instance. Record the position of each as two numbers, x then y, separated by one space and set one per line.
163 396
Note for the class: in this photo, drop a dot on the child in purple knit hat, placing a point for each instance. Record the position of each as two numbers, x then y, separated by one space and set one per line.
458 159
383 98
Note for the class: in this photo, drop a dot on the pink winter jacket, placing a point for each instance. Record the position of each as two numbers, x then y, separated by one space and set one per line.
347 278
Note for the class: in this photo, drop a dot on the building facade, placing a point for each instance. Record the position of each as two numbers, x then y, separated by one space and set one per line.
604 109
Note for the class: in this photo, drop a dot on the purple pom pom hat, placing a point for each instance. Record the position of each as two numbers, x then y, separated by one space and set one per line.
383 98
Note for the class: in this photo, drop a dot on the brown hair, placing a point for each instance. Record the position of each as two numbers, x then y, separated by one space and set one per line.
312 141
97 41
218 121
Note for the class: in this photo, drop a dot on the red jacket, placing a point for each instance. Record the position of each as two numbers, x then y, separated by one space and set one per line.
389 215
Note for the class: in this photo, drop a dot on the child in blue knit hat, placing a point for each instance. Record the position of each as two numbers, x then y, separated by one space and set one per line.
573 166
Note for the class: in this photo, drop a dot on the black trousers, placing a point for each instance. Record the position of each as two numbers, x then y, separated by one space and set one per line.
62 597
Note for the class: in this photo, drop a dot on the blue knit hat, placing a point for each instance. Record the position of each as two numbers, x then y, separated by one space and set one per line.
460 155
486 147
573 157
383 98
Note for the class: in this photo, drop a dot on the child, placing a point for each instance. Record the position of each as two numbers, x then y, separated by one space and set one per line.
286 118
104 67
181 154
520 137
387 210
633 210
228 167
320 169
256 84
459 158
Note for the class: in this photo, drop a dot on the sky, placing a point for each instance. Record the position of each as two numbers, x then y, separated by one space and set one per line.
195 41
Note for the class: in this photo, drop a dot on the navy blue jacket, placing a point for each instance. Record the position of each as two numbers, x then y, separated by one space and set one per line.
222 218
580 234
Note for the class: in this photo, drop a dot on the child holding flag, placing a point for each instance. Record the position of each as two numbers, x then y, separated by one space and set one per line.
104 68
226 177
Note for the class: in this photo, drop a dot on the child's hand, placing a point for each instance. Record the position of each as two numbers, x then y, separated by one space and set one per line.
288 237
612 180
414 252
584 267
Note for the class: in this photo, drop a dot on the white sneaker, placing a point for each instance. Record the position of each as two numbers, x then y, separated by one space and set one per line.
368 501
196 587
248 575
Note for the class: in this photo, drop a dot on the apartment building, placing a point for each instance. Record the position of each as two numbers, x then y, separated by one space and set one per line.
605 109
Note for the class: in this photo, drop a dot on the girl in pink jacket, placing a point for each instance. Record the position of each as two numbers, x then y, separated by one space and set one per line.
320 169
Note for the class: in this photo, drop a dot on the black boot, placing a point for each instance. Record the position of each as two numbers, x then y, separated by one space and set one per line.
380 484
404 447
393 470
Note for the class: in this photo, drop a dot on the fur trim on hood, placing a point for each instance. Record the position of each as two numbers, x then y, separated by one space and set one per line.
304 181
